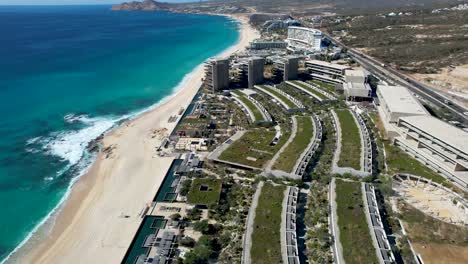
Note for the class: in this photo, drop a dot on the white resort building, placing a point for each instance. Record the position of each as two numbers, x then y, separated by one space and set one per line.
355 86
304 39
326 71
435 143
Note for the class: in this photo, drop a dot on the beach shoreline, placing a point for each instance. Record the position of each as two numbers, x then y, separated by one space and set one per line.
92 226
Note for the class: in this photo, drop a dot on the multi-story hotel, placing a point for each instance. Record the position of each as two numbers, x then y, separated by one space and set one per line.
217 74
304 39
326 71
288 67
435 143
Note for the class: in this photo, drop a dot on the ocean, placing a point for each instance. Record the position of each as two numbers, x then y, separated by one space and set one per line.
69 73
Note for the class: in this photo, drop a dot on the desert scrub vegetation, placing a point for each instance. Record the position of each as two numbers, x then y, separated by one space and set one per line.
422 42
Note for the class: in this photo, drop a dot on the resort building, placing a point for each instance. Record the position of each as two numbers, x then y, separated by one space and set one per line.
355 87
326 71
435 143
287 67
260 45
255 68
271 25
304 39
217 75
396 101
439 145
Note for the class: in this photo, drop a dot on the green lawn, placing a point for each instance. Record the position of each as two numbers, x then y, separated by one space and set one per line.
350 155
318 94
288 158
283 98
256 112
400 162
326 86
204 191
354 231
253 148
266 236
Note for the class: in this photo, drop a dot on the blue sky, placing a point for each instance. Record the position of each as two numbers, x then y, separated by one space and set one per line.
69 2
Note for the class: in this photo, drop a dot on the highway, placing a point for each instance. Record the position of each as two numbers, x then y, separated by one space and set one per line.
395 77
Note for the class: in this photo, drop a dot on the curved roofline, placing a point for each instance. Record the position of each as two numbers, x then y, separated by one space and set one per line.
306 29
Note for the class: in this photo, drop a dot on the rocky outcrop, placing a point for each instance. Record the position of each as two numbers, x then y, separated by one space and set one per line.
146 5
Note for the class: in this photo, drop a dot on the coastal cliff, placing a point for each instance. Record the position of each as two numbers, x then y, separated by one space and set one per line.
147 5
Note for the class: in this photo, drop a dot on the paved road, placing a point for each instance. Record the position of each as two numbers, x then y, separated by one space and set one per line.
395 77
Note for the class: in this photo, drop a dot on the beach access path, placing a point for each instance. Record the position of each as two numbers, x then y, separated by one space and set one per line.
92 225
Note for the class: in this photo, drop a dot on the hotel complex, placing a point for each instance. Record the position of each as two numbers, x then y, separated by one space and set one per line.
304 39
217 74
288 67
355 86
326 71
435 143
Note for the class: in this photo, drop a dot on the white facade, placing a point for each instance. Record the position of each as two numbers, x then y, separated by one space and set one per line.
356 85
326 71
397 101
301 38
439 145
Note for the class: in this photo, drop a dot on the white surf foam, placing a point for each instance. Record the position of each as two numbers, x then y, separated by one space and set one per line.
71 145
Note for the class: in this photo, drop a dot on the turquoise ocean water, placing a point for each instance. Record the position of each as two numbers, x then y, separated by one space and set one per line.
67 74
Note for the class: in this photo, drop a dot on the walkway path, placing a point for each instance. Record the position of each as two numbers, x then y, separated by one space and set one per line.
337 247
249 226
268 168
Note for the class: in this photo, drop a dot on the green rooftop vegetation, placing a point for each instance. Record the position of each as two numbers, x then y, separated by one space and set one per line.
305 87
283 98
256 112
326 86
350 155
354 231
253 148
400 162
288 158
204 191
266 236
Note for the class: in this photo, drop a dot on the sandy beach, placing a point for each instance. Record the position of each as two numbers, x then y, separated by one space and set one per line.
91 227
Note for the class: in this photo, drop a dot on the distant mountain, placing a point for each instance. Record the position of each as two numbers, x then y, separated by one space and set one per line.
296 7
146 5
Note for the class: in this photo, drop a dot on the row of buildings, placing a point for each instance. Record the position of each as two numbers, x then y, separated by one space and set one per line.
248 72
354 84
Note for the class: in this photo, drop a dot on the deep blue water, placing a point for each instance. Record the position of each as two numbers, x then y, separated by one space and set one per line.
67 74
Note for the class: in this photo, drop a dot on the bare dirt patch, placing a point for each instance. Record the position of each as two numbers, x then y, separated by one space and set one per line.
437 253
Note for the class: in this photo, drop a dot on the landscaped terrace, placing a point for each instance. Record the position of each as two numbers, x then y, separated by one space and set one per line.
323 85
266 235
253 148
290 104
292 153
252 107
351 149
354 231
312 91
